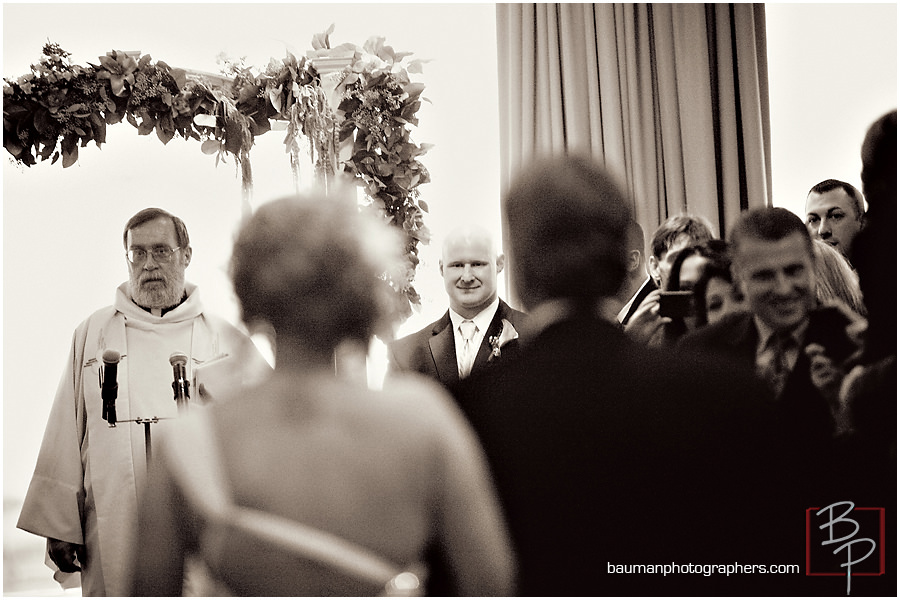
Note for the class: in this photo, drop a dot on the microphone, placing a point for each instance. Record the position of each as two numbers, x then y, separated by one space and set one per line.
109 387
181 386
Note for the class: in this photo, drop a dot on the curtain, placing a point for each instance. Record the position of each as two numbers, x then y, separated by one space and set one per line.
671 98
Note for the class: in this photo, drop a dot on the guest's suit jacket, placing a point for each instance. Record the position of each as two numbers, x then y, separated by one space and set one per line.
800 401
802 412
636 300
432 350
606 453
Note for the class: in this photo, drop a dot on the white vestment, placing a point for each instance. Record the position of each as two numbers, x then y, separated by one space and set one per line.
88 475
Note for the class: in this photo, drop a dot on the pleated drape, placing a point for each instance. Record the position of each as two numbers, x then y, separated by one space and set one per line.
671 98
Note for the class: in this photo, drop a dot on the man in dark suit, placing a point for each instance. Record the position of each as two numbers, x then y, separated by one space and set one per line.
643 321
781 337
470 264
607 454
637 284
773 262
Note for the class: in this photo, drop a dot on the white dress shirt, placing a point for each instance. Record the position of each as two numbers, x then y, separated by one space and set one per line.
482 321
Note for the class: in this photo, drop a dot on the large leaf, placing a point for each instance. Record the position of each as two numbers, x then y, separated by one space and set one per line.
69 147
320 40
414 89
259 125
374 44
148 122
44 123
14 110
415 66
99 126
12 145
180 77
110 63
117 83
247 92
210 147
165 128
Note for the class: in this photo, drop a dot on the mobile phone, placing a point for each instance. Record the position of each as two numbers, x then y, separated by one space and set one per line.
676 305
828 327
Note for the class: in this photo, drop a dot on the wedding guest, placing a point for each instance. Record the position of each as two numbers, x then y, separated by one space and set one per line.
870 389
715 295
834 213
83 496
676 232
835 278
638 282
773 264
604 450
384 473
479 330
687 270
873 254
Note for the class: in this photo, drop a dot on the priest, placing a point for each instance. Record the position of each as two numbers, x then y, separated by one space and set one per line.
92 465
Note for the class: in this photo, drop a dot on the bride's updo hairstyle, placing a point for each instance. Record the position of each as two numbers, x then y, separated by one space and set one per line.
309 266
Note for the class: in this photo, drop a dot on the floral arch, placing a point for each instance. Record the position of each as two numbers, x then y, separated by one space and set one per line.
351 109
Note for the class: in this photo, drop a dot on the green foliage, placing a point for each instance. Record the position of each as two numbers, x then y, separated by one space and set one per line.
57 107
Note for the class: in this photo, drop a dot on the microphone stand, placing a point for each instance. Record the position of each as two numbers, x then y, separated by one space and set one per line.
146 422
181 388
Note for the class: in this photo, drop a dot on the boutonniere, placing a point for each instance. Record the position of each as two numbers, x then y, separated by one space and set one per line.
507 334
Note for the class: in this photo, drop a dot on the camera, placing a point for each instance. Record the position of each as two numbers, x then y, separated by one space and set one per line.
676 305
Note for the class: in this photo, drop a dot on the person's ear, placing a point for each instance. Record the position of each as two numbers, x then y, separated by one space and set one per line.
501 262
188 253
441 266
634 260
653 268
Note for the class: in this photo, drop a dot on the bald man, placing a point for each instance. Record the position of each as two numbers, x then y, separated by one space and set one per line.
479 330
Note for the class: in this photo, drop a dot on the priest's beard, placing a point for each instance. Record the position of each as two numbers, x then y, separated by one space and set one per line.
157 290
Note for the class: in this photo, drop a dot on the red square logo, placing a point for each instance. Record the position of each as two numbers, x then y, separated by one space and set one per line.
845 540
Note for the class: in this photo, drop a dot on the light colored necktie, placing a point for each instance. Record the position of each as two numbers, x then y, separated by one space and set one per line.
467 329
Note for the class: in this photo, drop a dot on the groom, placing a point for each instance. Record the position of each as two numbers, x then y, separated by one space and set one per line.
479 330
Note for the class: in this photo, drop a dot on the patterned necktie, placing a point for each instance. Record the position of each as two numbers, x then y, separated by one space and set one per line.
778 368
467 329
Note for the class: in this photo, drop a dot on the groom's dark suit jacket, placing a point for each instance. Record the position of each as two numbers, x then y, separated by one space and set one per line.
608 454
432 351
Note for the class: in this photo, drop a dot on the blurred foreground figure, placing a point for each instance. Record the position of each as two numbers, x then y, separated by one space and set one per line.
83 496
608 454
320 486
870 389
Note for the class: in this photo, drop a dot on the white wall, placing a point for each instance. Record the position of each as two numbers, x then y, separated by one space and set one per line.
832 72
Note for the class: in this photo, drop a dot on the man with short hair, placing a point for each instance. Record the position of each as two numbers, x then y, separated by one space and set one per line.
677 232
637 283
605 452
834 213
479 329
773 268
83 496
